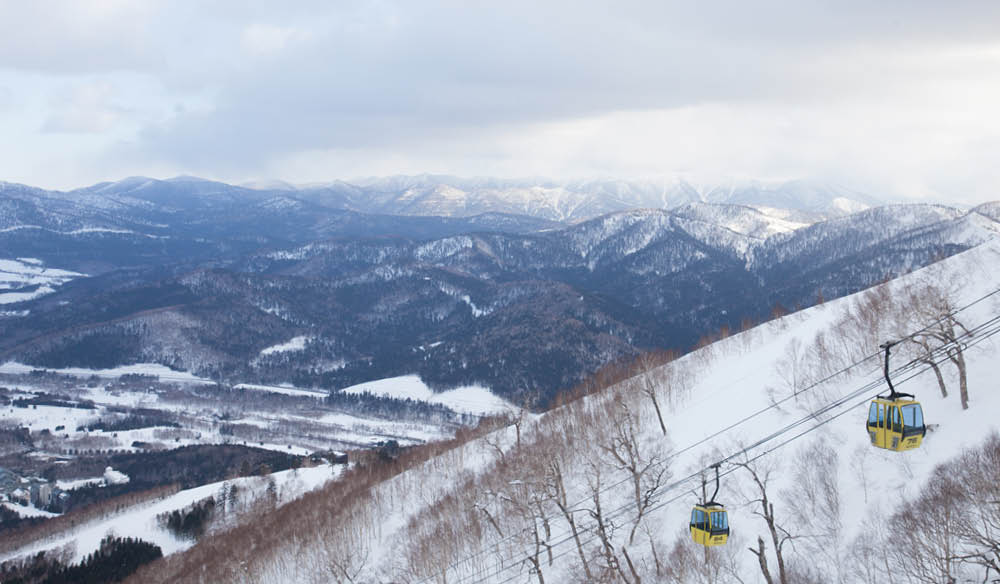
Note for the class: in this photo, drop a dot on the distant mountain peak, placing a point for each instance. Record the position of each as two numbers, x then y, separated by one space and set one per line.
269 185
567 200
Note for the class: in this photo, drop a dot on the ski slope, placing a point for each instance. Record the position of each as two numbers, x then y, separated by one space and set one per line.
781 398
472 399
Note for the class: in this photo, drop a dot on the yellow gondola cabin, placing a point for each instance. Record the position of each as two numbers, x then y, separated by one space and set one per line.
896 424
709 524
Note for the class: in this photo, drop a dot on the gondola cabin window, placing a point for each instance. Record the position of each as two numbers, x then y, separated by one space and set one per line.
913 416
720 522
698 519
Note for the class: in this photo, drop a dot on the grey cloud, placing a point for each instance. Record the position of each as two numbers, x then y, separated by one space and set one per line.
392 76
62 37
87 108
418 72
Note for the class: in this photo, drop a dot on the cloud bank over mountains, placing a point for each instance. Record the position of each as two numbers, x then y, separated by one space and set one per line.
897 97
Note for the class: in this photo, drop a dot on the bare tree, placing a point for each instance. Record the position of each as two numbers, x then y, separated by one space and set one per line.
647 472
487 504
556 485
868 562
779 535
925 354
817 508
648 383
978 472
793 367
687 564
526 500
495 442
936 312
762 560
925 542
859 464
610 568
951 532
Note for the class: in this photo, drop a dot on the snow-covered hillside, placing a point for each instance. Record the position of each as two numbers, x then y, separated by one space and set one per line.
469 399
140 521
324 426
597 490
23 279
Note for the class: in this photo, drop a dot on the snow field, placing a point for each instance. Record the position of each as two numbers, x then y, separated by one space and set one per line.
293 344
332 427
153 369
471 399
18 274
140 521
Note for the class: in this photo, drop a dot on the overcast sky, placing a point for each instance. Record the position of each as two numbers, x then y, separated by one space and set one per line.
899 97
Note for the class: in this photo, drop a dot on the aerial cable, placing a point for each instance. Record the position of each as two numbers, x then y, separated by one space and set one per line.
774 405
812 415
979 333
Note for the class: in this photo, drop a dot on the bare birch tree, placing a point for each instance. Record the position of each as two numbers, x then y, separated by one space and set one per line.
652 378
647 470
764 508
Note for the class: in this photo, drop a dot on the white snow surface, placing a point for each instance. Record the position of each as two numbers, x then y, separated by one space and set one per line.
471 399
24 279
848 206
720 403
83 231
12 297
299 430
114 477
293 344
27 510
286 389
78 483
140 521
163 372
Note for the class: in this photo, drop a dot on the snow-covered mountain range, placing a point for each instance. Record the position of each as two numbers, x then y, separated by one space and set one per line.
508 301
153 202
571 201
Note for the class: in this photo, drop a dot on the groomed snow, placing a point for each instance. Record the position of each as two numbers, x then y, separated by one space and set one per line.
78 483
163 372
285 389
293 344
12 297
82 231
18 274
114 477
27 510
471 399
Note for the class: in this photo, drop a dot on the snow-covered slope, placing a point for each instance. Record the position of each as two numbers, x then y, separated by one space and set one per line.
788 399
469 399
23 279
140 521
